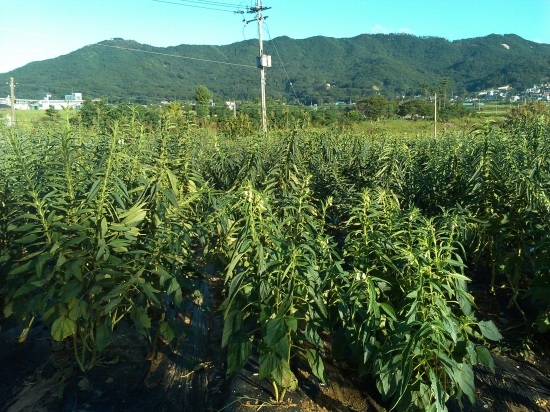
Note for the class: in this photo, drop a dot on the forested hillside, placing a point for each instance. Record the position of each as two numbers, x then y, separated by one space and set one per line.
393 63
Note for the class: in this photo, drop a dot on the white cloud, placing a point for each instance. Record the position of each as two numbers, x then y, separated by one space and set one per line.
378 28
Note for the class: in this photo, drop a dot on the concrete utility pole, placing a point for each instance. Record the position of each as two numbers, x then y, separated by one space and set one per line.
262 61
435 115
12 86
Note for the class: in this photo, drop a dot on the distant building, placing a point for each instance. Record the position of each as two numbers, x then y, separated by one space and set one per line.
73 96
74 101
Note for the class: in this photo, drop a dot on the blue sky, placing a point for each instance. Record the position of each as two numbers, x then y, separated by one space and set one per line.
33 30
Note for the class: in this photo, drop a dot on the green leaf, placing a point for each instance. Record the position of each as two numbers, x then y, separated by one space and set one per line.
171 198
103 337
318 301
284 376
73 241
268 362
465 301
275 331
166 331
79 309
464 376
543 322
94 190
312 335
235 285
26 288
173 180
135 215
265 289
282 348
439 393
173 286
101 249
104 227
291 322
40 262
150 292
63 327
119 228
484 357
28 239
111 304
8 309
231 326
237 355
489 330
316 364
71 290
388 309
141 320
24 228
120 289
21 268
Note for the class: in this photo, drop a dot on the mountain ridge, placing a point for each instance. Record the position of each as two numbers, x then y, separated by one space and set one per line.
321 69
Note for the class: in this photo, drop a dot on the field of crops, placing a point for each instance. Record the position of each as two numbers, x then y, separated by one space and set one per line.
368 239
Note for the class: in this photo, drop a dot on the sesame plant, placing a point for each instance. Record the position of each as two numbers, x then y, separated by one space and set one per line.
368 240
274 285
92 244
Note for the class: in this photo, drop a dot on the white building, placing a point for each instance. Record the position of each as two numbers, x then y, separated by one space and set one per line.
74 101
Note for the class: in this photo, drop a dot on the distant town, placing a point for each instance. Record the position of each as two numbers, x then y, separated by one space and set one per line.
504 94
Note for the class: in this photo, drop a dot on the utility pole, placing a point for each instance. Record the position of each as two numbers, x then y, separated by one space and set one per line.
263 60
435 115
12 86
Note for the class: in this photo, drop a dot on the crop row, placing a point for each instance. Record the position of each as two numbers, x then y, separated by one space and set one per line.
367 240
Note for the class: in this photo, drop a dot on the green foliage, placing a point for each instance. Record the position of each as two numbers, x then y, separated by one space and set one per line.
374 107
395 63
454 111
51 113
203 97
369 238
416 108
96 238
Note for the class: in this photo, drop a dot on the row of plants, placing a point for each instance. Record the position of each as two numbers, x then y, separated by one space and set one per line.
367 240
247 120
96 229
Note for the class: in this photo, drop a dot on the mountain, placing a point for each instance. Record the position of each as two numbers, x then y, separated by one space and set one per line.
394 63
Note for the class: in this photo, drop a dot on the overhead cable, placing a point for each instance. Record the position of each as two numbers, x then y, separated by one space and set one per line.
197 7
174 55
281 60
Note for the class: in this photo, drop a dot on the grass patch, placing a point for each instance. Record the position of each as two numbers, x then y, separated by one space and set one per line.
25 116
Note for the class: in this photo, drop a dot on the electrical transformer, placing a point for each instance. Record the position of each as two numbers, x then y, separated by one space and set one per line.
263 61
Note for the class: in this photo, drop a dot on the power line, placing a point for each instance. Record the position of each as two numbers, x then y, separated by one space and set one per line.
198 7
213 3
281 60
173 55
